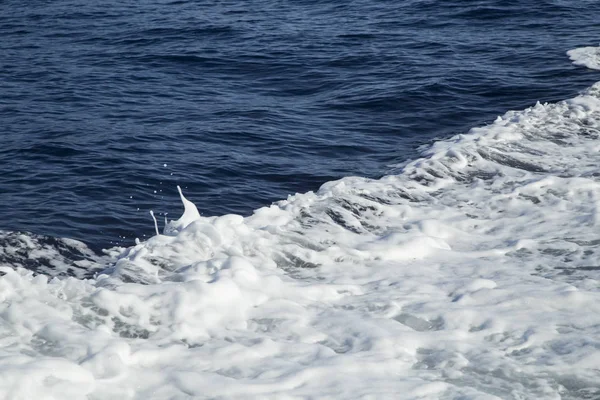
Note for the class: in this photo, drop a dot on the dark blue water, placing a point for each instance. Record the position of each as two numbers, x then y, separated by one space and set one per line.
106 106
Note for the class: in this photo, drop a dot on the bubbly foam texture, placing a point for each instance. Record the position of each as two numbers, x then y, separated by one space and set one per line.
49 255
473 273
586 57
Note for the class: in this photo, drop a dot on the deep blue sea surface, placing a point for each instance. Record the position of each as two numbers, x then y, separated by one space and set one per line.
106 106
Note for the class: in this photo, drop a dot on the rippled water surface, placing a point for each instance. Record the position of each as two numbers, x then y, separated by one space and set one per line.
106 106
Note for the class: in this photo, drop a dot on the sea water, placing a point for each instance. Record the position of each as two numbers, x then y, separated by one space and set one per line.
468 269
105 107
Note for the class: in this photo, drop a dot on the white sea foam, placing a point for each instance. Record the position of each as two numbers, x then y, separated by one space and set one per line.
586 57
473 274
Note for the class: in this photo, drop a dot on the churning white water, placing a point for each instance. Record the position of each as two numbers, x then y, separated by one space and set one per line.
473 273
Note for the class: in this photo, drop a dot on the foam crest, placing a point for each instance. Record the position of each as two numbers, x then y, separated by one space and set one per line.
588 57
472 273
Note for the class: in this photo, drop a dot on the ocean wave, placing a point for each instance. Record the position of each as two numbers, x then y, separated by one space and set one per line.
472 272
